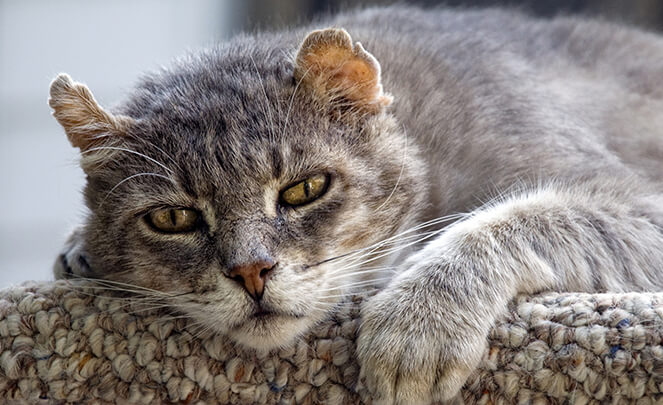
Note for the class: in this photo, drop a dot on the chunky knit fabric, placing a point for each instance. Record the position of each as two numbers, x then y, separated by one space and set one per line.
63 344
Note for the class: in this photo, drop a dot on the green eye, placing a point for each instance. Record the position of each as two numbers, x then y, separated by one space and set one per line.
173 220
305 191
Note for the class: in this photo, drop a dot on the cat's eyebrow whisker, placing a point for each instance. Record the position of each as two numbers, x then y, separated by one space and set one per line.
97 148
400 175
292 99
264 92
130 178
152 144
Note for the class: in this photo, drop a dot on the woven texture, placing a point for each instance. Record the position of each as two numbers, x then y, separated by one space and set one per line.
59 345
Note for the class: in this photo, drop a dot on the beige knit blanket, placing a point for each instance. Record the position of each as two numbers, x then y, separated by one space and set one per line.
64 344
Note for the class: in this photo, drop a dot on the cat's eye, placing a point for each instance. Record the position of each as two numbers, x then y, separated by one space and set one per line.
173 220
305 191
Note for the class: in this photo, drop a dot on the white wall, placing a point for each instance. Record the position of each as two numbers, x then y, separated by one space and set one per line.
103 44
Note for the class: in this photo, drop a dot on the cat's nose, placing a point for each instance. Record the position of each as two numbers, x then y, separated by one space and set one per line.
253 276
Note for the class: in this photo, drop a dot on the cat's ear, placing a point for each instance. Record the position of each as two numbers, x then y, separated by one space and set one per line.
86 124
339 71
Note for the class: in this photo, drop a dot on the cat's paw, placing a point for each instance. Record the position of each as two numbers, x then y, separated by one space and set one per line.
72 261
412 351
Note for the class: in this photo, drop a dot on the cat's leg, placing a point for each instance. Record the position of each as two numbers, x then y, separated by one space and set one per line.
72 261
425 333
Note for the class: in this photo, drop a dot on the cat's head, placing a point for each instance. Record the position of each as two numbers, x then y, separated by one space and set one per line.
241 181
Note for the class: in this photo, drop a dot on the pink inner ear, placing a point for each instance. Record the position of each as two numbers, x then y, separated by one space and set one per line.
333 66
84 121
358 72
342 71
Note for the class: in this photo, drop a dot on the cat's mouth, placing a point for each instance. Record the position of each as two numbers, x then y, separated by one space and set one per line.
268 325
266 313
263 313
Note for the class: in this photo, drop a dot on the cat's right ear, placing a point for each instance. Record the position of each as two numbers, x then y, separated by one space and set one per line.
341 72
86 124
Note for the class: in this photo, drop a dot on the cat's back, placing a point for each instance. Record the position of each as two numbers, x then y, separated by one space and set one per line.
578 84
632 56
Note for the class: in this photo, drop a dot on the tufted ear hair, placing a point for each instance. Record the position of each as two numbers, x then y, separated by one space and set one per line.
340 72
84 121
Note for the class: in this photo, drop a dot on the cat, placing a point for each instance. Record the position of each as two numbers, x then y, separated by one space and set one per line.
450 159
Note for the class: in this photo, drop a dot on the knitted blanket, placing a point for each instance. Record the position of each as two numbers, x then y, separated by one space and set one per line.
63 344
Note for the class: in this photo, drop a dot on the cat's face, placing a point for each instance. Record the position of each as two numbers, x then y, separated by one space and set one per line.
237 185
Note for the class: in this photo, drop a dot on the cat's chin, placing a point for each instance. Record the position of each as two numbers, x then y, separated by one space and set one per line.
270 332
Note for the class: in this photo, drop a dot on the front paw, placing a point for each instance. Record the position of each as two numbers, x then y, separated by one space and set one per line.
415 348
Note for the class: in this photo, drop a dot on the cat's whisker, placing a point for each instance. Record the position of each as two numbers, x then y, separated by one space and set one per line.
359 254
373 270
136 304
401 236
373 256
135 295
345 294
354 284
129 287
350 282
388 248
175 314
302 340
130 299
112 283
336 305
130 307
149 308
203 325
432 222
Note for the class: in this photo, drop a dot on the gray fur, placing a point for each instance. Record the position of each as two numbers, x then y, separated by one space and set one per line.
547 134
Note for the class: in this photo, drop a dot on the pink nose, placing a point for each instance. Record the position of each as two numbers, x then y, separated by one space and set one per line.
253 276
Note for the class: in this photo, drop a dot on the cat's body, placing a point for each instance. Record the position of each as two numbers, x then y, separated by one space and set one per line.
558 123
561 99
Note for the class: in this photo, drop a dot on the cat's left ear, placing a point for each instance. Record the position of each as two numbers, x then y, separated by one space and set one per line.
340 72
84 121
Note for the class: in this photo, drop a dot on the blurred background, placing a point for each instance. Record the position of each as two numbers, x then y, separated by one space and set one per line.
107 45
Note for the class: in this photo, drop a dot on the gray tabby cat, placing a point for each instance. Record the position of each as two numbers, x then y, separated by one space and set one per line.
257 183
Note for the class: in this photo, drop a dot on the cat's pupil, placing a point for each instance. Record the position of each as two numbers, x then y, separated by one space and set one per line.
306 190
307 187
173 220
